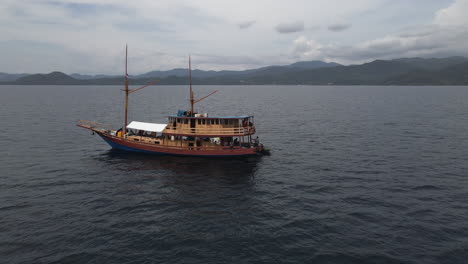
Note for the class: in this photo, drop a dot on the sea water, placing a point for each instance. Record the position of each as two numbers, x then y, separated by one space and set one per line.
357 174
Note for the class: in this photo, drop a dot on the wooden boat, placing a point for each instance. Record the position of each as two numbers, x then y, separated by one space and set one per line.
187 133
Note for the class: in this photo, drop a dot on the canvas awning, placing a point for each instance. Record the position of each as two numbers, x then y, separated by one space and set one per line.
152 127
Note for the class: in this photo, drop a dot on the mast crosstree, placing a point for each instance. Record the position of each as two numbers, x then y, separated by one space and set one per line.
127 91
192 96
192 100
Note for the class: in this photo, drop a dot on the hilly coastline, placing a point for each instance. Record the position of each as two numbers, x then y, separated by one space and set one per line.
405 71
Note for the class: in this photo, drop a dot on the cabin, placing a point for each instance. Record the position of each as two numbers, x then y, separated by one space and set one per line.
198 131
210 126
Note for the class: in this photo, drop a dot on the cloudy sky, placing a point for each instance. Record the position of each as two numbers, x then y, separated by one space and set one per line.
89 36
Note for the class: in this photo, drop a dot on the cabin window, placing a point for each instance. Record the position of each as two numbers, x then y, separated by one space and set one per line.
178 120
185 121
199 121
204 121
217 121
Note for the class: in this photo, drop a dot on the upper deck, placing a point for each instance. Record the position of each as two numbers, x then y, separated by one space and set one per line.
203 126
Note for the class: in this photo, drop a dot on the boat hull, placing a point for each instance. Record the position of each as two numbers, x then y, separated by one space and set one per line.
123 144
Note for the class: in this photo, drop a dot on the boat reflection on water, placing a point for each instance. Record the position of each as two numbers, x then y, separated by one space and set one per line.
235 169
176 192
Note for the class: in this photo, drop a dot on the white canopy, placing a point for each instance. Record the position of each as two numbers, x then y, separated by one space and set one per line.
152 127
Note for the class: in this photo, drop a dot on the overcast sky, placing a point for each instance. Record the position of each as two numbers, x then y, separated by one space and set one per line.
89 36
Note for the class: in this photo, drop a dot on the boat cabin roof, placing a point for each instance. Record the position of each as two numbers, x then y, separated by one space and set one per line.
151 127
211 117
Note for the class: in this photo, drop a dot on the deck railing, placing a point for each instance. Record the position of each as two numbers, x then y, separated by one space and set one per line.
210 131
182 144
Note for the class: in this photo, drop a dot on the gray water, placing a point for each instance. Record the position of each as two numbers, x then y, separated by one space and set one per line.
357 174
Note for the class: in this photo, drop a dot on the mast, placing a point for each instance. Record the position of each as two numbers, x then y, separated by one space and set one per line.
191 91
126 92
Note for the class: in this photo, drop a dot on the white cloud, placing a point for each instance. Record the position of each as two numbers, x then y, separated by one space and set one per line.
88 36
304 48
447 36
455 14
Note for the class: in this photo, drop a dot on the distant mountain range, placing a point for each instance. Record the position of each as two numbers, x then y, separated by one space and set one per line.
7 77
405 71
181 72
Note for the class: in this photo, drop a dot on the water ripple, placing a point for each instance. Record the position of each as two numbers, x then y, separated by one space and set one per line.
357 175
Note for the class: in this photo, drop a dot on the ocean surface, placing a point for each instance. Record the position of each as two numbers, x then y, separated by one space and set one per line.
357 174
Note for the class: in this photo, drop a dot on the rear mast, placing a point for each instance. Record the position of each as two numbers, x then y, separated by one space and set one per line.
126 92
192 100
